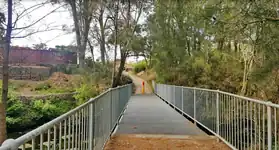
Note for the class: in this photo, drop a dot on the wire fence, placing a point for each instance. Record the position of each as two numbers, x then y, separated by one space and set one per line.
240 122
86 127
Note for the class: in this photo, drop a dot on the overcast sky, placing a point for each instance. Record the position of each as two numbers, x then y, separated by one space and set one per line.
53 21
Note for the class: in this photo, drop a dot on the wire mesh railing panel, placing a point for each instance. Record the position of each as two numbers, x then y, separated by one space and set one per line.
178 97
85 127
206 109
188 101
242 123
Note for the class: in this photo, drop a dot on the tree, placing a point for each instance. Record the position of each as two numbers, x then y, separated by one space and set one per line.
82 16
12 26
40 46
127 27
193 38
100 28
2 108
5 77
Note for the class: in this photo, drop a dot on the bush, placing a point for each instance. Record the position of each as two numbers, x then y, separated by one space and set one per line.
88 88
213 70
85 92
22 116
140 66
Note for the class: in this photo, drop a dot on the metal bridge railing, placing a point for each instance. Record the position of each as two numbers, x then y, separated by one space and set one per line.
240 122
85 127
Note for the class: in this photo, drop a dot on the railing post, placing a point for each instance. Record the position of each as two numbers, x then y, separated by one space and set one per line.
111 113
173 92
269 130
217 113
182 103
195 106
91 126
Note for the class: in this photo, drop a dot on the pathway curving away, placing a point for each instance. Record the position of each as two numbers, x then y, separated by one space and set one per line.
138 83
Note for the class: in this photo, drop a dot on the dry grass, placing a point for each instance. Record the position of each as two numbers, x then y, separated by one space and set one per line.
148 75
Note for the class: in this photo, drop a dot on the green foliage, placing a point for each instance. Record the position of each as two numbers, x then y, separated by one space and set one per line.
22 115
140 66
214 44
85 92
89 86
217 71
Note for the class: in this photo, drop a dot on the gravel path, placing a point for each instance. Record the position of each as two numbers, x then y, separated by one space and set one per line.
138 83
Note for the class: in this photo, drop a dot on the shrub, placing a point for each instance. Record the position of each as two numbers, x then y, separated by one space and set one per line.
140 66
85 92
88 87
22 116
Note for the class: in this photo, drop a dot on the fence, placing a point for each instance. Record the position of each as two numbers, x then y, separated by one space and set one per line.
240 122
85 127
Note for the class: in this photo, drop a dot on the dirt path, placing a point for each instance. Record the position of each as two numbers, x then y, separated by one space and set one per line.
138 83
157 142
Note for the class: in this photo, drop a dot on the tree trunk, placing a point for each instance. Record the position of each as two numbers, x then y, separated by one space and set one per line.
220 45
244 79
5 78
188 48
229 46
3 133
235 46
115 43
116 81
78 35
85 40
92 53
199 45
103 41
195 43
248 64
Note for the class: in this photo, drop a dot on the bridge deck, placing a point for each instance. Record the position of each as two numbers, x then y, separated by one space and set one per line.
148 114
149 123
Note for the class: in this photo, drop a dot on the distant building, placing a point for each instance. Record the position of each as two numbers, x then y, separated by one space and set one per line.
29 56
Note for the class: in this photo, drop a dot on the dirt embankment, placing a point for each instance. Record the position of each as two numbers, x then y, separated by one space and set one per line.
142 142
138 83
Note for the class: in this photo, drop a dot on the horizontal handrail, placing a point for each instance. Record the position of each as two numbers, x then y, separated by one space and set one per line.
268 103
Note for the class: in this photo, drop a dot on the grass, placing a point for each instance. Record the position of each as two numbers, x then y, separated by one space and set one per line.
26 87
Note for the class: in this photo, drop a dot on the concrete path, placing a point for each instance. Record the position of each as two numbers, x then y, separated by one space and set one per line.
148 114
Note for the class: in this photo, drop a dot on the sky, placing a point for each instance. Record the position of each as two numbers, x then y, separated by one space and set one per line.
54 21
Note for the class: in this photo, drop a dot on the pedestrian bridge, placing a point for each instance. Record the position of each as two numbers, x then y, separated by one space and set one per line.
201 118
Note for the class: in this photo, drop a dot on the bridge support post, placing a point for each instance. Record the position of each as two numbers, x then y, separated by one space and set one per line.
217 113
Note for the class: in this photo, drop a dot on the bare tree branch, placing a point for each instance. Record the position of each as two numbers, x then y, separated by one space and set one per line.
34 7
32 33
32 24
62 34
